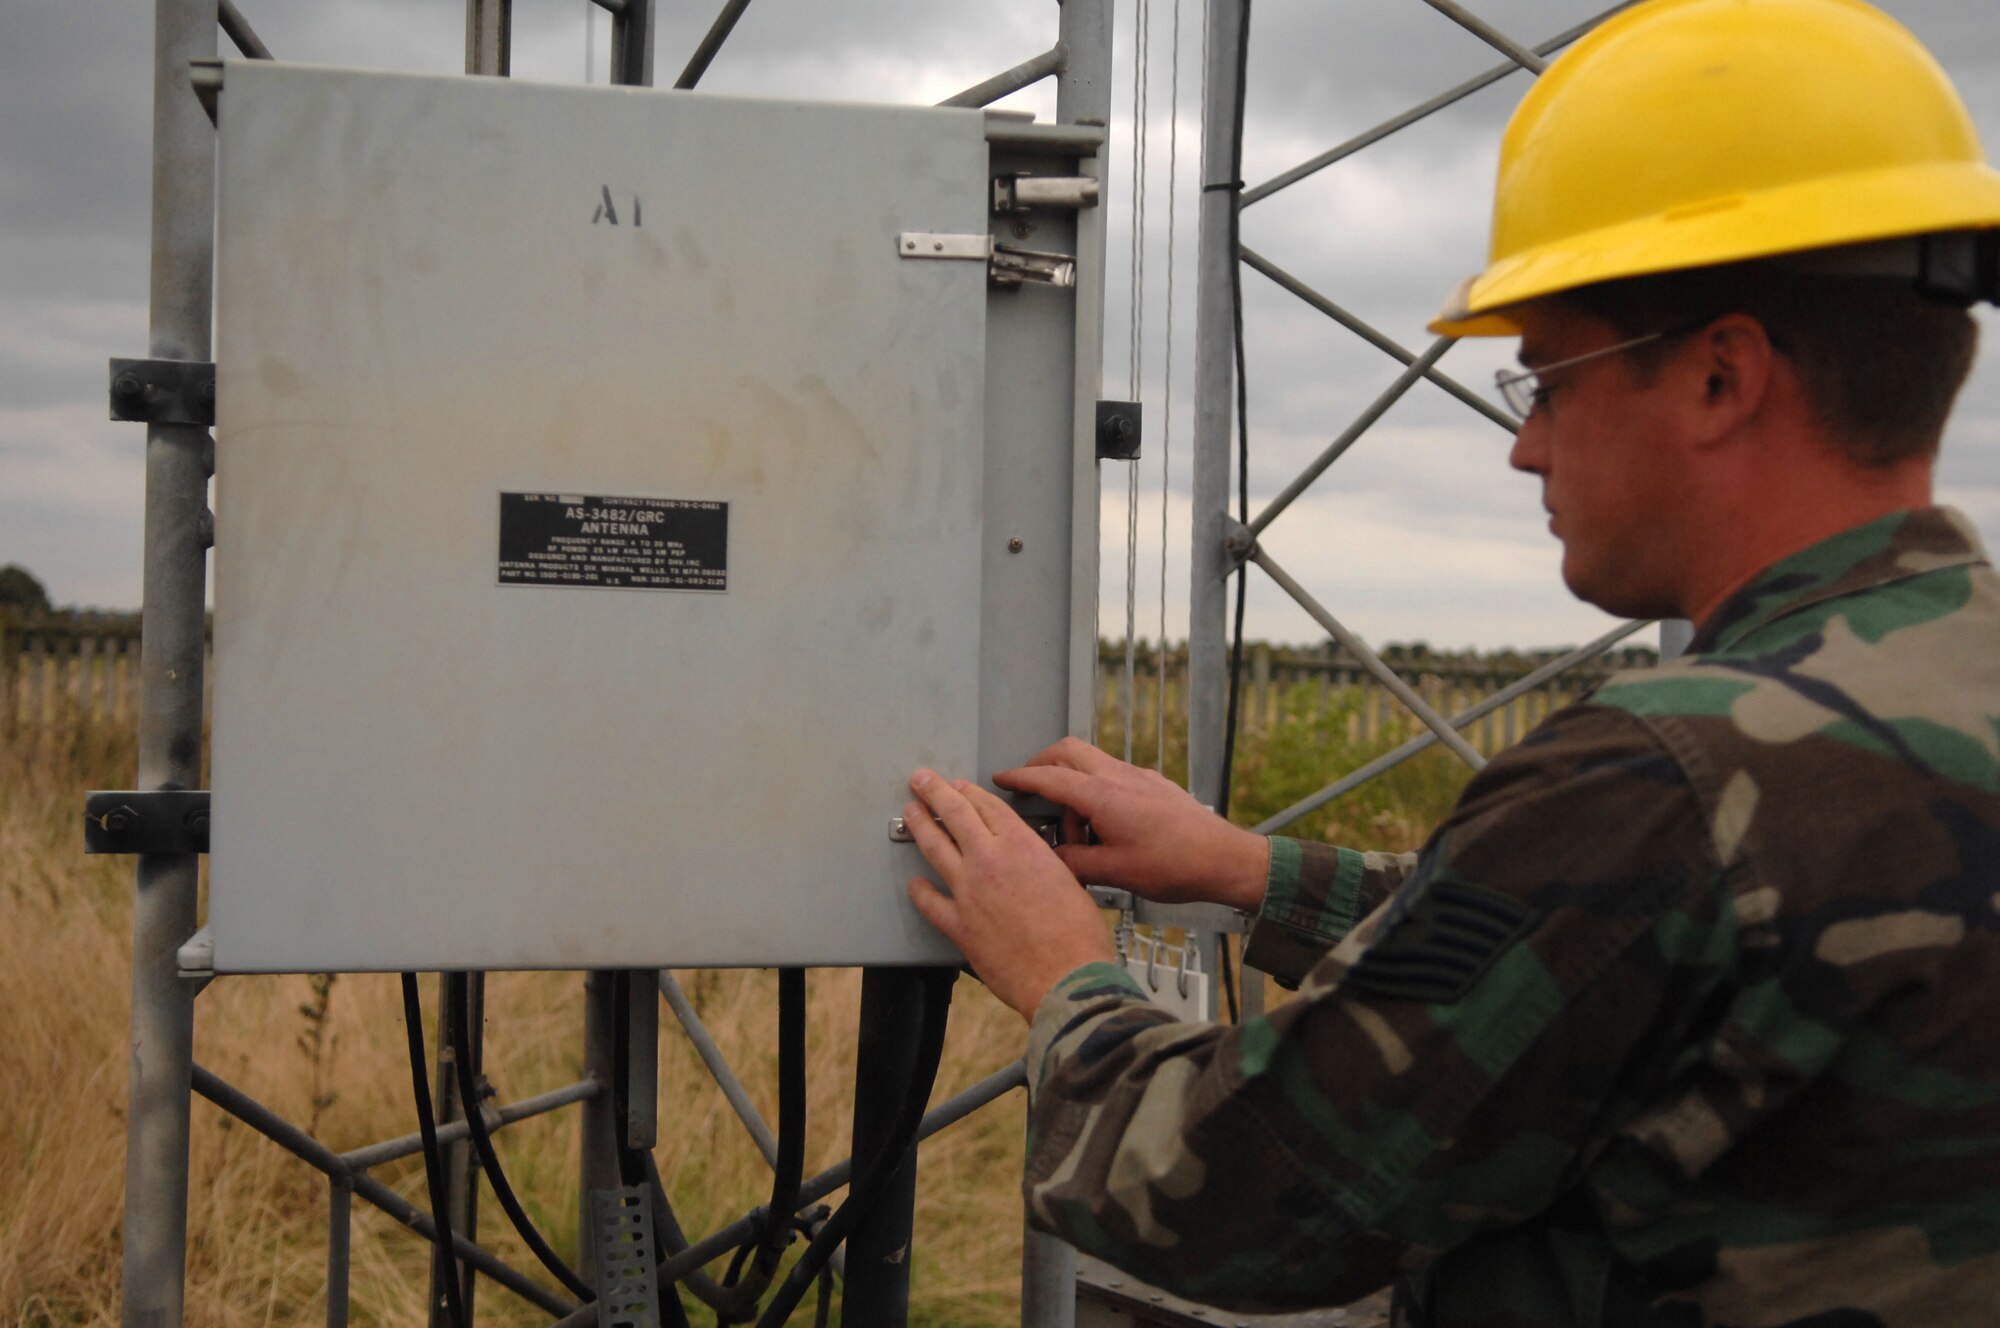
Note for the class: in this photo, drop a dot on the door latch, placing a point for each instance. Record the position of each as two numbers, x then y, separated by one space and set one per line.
1005 264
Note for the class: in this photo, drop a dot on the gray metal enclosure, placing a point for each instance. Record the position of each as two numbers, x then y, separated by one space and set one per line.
671 344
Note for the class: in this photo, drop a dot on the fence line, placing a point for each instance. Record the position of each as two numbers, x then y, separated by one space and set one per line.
1289 685
67 666
61 667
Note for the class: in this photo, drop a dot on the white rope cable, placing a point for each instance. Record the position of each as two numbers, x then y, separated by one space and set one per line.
1141 99
1167 397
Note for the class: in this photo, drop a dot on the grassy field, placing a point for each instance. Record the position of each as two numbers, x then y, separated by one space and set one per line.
328 1053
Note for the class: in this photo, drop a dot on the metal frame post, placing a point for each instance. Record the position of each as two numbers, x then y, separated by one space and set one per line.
598 1155
178 461
1214 383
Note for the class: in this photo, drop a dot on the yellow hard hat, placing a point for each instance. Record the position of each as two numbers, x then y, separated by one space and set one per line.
1684 133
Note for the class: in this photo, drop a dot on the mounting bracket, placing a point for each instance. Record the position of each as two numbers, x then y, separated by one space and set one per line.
163 391
129 821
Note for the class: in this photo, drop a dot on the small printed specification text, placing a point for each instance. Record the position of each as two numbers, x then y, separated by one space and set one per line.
564 539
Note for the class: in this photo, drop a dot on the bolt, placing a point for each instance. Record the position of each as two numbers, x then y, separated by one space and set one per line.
197 823
1014 545
909 244
126 386
1022 230
120 820
938 246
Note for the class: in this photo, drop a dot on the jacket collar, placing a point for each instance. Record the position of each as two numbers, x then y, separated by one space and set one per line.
1889 548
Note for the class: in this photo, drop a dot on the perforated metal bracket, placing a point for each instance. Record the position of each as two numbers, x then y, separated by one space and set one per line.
163 391
128 821
628 1288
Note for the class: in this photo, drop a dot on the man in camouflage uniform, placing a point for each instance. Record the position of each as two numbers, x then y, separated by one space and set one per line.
1689 1014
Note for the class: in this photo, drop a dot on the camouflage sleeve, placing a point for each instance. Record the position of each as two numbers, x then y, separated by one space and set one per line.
1313 897
1445 1071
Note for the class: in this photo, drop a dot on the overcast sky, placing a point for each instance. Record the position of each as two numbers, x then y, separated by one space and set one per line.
1419 533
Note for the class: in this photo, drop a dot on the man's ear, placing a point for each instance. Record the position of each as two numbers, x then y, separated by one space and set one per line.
1733 361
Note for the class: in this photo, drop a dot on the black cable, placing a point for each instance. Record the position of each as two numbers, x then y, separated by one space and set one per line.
935 995
413 1025
1228 977
630 1172
1242 398
736 1263
789 1169
823 1314
459 1018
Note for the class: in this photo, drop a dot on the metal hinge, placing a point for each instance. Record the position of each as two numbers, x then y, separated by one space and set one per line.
1005 264
1017 193
163 391
163 821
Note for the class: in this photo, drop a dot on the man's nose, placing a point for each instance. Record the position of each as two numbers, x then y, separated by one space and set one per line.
1530 451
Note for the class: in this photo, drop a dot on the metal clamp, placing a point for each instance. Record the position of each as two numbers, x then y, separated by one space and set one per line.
163 391
128 821
1014 194
1005 264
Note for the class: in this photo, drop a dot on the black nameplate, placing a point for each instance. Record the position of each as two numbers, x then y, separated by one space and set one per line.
568 539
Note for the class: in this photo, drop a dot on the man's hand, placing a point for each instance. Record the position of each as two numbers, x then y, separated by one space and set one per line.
1154 839
1020 917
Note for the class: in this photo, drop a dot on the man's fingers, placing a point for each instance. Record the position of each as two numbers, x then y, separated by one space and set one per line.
938 848
997 814
1077 755
938 908
1057 783
958 815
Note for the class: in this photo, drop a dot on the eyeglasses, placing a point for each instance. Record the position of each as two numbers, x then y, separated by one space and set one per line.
1524 391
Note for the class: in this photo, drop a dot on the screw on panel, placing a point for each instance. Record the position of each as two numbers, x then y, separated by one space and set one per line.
1014 545
127 386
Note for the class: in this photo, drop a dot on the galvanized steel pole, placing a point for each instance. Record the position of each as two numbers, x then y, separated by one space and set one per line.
178 460
1214 383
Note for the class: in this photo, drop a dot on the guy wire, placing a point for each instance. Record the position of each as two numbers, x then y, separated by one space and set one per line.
1167 401
1141 99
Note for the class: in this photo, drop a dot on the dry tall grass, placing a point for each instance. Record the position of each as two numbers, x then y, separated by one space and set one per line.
331 1055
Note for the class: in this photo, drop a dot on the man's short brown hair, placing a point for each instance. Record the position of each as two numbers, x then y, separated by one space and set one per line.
1880 362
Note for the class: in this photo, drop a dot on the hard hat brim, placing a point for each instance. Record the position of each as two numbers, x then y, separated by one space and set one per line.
1814 214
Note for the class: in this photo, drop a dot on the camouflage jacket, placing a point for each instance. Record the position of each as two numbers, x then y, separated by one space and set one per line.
1689 1014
